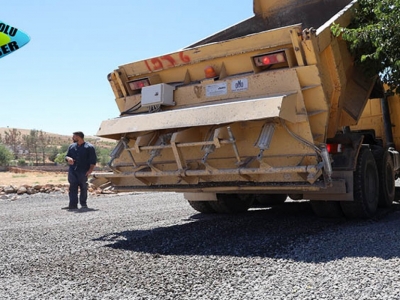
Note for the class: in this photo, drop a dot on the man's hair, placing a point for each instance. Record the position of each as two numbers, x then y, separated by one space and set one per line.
79 133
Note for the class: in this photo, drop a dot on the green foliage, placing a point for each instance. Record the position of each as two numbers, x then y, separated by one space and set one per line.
103 155
53 152
5 155
64 148
104 160
101 152
13 139
36 143
60 158
374 39
13 163
21 162
29 142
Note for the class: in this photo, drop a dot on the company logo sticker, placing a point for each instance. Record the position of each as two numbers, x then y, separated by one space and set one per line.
11 39
239 85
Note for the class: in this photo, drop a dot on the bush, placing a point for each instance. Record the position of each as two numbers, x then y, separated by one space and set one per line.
53 153
5 156
60 158
21 162
104 159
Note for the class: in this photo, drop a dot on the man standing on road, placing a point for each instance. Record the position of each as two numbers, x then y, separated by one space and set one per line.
81 157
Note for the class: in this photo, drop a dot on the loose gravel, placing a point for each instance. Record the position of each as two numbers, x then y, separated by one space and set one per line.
155 246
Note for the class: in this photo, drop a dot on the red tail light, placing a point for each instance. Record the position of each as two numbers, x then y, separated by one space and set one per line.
139 84
334 148
270 59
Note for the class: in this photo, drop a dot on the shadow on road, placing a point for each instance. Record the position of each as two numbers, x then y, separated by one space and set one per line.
289 231
82 210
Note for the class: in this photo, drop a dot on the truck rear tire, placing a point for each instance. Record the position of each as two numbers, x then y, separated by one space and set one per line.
232 203
365 188
271 199
327 209
202 206
387 188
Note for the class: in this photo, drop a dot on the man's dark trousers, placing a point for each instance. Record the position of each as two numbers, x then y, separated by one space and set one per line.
77 179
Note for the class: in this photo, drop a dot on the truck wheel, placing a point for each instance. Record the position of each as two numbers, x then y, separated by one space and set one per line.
232 203
365 188
270 199
296 196
327 209
387 187
202 206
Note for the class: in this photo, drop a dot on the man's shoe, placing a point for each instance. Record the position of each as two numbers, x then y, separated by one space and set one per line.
84 206
69 208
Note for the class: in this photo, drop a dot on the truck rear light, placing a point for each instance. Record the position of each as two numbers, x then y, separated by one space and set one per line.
139 84
334 148
210 72
270 59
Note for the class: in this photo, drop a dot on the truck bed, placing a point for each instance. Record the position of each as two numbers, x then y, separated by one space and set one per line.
276 14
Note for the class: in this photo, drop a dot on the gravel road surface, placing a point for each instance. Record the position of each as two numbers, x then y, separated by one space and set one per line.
155 246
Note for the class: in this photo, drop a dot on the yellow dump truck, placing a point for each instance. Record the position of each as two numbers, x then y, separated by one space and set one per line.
270 108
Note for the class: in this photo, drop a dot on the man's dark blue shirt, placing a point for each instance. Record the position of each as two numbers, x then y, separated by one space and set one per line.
83 156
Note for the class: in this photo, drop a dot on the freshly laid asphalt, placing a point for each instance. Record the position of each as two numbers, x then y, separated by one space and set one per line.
155 246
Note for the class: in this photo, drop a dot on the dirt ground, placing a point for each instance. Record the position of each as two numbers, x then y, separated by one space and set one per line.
32 178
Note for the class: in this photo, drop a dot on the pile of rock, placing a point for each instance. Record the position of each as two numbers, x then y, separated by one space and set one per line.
9 190
38 188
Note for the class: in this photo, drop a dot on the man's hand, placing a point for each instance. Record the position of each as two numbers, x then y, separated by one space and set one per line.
69 160
90 170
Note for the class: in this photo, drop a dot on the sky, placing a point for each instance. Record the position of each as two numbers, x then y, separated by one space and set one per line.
58 81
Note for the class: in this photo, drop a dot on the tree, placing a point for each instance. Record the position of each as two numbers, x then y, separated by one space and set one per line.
374 39
5 155
12 137
31 143
43 142
37 143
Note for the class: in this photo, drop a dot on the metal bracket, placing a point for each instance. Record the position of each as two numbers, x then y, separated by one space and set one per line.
117 151
264 139
162 141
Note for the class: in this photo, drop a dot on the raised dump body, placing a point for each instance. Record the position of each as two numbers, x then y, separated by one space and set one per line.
256 112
